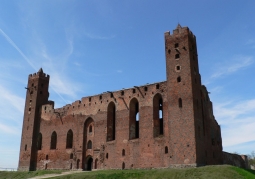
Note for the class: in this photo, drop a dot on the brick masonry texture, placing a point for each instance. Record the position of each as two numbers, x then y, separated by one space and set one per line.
166 124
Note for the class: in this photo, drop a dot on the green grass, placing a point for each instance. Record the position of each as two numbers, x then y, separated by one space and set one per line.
22 174
208 172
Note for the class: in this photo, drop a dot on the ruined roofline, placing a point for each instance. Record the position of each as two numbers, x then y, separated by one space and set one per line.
77 102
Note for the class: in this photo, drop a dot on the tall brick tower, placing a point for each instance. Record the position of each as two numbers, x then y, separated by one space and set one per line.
183 84
37 95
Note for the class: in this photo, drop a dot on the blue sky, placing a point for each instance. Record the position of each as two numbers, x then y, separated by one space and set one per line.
89 47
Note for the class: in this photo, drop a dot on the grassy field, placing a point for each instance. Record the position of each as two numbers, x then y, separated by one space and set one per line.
21 175
218 172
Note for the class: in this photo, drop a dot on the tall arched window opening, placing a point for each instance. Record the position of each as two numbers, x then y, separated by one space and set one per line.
39 141
89 145
53 142
111 119
158 122
69 139
134 119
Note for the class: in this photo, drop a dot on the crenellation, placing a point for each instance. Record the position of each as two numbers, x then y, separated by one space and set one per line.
157 125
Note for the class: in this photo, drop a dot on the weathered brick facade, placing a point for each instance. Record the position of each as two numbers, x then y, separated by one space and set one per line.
166 124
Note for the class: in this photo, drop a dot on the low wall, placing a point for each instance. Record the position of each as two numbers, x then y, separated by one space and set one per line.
235 160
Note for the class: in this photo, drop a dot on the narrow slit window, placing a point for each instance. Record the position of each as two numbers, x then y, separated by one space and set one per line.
178 79
180 103
122 93
166 149
123 152
133 90
176 45
157 86
145 88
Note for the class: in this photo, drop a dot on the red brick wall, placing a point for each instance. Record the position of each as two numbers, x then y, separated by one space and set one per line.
188 128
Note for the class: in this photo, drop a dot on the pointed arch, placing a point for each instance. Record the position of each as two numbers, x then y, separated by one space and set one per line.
89 145
158 121
39 141
134 119
69 139
111 119
53 142
88 134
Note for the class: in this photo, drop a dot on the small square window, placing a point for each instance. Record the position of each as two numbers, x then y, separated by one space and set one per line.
176 45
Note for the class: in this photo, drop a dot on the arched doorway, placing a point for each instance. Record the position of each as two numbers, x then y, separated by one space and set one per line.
90 164
88 135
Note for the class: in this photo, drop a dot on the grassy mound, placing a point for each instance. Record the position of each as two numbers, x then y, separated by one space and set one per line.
218 172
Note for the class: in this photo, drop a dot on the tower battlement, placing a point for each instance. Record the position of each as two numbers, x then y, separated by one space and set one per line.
159 125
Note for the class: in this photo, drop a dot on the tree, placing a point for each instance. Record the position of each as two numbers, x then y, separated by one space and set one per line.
251 158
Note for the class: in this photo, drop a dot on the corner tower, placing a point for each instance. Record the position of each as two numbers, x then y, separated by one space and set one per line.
183 84
37 94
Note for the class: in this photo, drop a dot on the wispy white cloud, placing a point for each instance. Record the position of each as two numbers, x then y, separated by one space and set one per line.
237 121
232 66
5 129
17 48
11 99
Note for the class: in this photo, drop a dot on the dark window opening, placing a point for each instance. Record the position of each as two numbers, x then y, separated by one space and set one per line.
178 79
111 119
111 95
89 99
47 157
69 139
78 164
176 45
133 90
90 128
122 93
123 166
40 92
39 142
30 100
169 51
158 123
89 145
157 86
26 147
45 108
31 92
145 88
96 161
166 149
32 84
180 103
106 156
100 97
178 67
53 143
29 109
177 56
71 156
134 119
123 152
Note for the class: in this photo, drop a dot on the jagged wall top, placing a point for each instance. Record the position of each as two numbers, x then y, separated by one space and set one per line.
180 30
39 74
